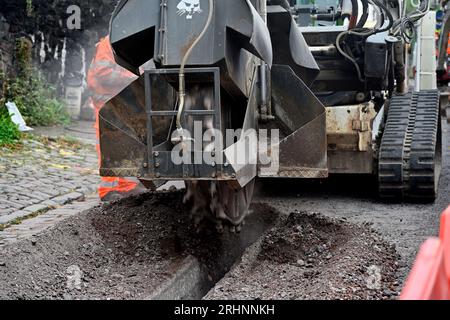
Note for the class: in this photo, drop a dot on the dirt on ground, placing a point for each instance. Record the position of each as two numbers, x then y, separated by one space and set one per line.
124 250
308 256
405 224
130 248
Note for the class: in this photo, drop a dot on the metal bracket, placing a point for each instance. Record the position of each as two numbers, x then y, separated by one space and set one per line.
159 163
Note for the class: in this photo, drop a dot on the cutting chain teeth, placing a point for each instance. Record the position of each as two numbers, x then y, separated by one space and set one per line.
205 201
213 200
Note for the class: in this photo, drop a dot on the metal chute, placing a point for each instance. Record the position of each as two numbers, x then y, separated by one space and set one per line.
289 45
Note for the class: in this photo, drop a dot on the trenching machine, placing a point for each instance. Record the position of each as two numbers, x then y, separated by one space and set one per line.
244 89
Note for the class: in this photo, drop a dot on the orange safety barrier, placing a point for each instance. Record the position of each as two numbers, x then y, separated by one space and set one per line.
445 238
430 276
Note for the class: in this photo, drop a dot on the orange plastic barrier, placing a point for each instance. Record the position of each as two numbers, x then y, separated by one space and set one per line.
445 238
430 276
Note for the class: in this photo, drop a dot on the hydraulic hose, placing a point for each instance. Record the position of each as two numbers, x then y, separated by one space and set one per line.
365 15
354 17
388 15
327 16
352 14
182 80
384 10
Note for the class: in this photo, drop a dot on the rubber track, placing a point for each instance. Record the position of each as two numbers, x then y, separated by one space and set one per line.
409 159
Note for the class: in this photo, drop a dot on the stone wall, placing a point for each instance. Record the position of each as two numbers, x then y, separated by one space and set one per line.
6 46
57 50
63 55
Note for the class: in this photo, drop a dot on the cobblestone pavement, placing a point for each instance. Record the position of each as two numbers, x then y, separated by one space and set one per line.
31 228
81 130
43 175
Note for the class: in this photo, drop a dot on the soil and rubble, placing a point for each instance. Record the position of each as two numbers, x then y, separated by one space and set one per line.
129 248
308 256
123 250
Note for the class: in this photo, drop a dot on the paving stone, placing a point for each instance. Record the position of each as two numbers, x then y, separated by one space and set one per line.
35 175
36 208
32 227
33 201
19 203
8 189
39 196
51 203
74 196
5 219
12 204
51 192
7 210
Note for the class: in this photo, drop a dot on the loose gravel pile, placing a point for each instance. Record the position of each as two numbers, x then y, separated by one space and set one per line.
124 250
308 256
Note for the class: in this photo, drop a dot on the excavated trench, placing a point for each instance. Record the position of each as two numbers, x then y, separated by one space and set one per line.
308 256
145 247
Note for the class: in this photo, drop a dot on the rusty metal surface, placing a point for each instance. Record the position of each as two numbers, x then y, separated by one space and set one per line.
350 127
350 138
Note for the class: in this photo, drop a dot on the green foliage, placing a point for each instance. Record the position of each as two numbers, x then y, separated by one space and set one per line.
23 51
36 100
29 8
9 132
34 97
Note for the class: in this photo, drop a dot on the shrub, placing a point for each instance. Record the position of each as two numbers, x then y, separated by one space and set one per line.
9 132
35 99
